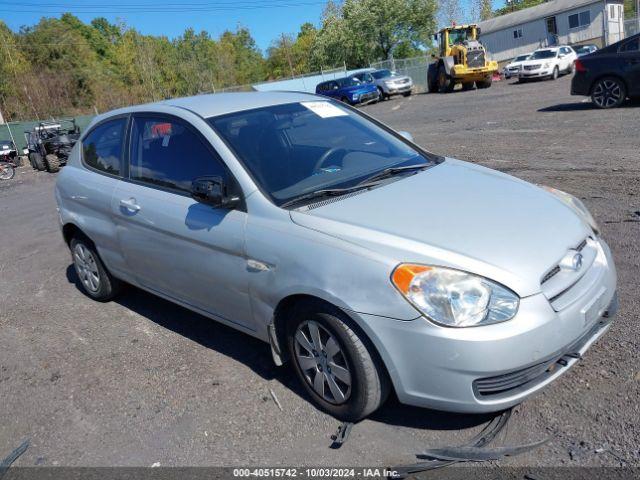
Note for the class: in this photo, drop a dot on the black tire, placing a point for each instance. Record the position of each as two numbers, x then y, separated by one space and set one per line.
407 94
608 92
37 161
107 285
52 163
445 83
467 86
381 95
556 73
369 384
486 83
432 78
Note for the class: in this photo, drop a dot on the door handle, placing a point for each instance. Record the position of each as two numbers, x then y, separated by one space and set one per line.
130 204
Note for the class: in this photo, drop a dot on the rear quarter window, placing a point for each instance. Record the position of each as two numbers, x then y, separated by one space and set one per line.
102 147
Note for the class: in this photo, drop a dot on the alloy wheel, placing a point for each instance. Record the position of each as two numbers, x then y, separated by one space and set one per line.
86 267
607 93
322 362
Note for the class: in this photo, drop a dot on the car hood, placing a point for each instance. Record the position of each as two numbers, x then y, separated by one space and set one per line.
395 78
537 62
459 215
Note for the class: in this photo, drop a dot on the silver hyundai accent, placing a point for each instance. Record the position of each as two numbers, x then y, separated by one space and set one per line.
365 261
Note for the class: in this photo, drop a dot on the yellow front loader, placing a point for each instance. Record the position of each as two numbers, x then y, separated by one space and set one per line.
461 59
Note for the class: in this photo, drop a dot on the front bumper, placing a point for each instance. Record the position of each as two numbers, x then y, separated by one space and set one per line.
398 89
542 73
450 368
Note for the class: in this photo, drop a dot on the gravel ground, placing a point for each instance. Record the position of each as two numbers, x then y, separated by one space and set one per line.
140 381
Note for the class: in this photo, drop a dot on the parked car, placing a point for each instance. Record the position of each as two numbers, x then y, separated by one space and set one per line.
349 90
609 75
513 67
302 222
548 63
582 50
389 83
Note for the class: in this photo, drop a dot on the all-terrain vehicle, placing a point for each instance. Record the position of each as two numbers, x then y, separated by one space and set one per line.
461 59
50 144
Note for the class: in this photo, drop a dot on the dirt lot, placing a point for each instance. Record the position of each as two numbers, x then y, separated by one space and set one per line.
140 381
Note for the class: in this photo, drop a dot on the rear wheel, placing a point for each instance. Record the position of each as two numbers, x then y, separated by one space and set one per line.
608 92
37 161
335 363
96 281
467 86
486 83
52 163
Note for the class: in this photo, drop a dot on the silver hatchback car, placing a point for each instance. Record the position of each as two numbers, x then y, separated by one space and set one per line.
365 261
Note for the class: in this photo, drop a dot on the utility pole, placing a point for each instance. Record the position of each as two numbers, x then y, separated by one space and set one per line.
286 49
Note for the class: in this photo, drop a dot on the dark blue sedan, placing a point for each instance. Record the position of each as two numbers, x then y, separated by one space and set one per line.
349 90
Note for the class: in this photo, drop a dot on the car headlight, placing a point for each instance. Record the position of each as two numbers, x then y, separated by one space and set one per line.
576 205
454 298
546 65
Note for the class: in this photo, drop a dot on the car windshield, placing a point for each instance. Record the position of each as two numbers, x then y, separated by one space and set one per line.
381 74
458 36
584 49
521 58
541 54
5 144
349 82
296 149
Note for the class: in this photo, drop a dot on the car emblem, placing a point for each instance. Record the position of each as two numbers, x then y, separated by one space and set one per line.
576 263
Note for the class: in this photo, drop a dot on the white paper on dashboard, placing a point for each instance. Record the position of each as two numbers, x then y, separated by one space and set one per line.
325 109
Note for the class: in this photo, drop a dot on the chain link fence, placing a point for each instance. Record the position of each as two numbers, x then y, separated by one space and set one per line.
631 26
415 67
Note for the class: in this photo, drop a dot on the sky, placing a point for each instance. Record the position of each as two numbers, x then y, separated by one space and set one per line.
266 19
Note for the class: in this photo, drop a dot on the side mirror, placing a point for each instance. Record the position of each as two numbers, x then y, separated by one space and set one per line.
478 31
406 135
212 191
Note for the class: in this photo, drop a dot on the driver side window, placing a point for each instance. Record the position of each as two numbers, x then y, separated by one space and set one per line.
168 153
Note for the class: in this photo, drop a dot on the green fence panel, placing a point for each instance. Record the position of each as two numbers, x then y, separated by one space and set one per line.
18 129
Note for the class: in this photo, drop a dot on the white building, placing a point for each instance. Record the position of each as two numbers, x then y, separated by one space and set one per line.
566 22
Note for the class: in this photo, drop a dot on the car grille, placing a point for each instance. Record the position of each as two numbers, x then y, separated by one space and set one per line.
523 379
513 69
555 270
532 67
365 97
475 59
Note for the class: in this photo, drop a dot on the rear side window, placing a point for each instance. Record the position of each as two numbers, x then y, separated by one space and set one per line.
169 154
102 148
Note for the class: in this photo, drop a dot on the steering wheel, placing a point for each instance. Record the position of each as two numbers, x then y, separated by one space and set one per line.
326 155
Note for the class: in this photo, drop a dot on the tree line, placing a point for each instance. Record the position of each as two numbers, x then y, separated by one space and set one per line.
63 66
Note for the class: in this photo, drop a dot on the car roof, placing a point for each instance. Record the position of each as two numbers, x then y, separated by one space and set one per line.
215 104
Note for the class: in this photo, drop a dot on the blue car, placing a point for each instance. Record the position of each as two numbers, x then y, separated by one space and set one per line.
349 90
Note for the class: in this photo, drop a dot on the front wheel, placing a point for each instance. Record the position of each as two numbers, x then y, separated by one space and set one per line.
96 281
37 161
608 92
555 74
52 163
486 83
445 83
335 362
381 95
406 94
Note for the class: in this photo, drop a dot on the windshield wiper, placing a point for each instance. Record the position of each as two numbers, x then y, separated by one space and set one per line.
328 192
391 171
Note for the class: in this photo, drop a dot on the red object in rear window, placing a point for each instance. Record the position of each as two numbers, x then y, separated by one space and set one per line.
580 66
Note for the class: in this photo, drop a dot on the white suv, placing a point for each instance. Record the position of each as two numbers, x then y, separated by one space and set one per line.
548 63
